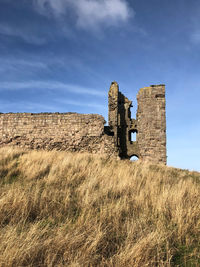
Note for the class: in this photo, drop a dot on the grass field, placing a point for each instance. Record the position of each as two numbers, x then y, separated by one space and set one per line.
62 209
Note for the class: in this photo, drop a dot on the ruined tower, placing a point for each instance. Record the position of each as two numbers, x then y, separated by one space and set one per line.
120 122
149 125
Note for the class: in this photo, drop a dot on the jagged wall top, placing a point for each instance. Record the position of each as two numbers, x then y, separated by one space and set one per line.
120 122
86 133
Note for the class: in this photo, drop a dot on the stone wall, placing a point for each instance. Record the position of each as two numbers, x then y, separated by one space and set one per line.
151 124
60 131
86 132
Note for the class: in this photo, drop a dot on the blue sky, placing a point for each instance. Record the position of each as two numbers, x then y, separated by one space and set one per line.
62 55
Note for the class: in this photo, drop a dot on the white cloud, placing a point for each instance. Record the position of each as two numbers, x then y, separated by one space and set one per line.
50 85
55 7
88 13
85 14
110 12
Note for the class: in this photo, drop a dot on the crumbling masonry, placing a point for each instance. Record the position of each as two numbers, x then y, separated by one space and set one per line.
149 125
87 133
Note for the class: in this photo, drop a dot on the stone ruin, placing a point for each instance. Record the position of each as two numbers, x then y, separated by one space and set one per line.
149 124
87 133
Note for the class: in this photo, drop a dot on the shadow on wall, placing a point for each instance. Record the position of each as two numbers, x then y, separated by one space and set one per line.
144 136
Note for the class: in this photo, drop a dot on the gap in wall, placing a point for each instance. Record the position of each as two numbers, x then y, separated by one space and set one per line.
134 109
134 158
133 137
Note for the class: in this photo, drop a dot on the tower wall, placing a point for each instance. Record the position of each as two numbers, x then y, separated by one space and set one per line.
151 124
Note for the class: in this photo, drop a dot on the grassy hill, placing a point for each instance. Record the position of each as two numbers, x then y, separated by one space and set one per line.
61 209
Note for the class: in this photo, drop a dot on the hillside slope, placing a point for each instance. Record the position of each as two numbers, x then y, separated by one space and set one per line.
61 209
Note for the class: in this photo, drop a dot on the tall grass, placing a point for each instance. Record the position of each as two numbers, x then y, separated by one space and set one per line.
62 209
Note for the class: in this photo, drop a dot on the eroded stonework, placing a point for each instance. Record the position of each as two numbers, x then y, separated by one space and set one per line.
60 131
149 125
120 122
87 133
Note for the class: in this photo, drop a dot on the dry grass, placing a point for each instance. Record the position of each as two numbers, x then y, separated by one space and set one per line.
61 209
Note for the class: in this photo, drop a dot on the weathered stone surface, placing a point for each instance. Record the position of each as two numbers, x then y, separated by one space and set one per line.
120 122
86 132
151 124
67 131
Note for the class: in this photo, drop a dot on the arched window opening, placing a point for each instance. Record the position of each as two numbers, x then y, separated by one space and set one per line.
134 158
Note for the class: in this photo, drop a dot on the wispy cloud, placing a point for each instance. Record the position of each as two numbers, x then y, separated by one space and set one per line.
19 67
51 85
14 64
81 104
62 14
22 33
26 106
89 14
55 106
